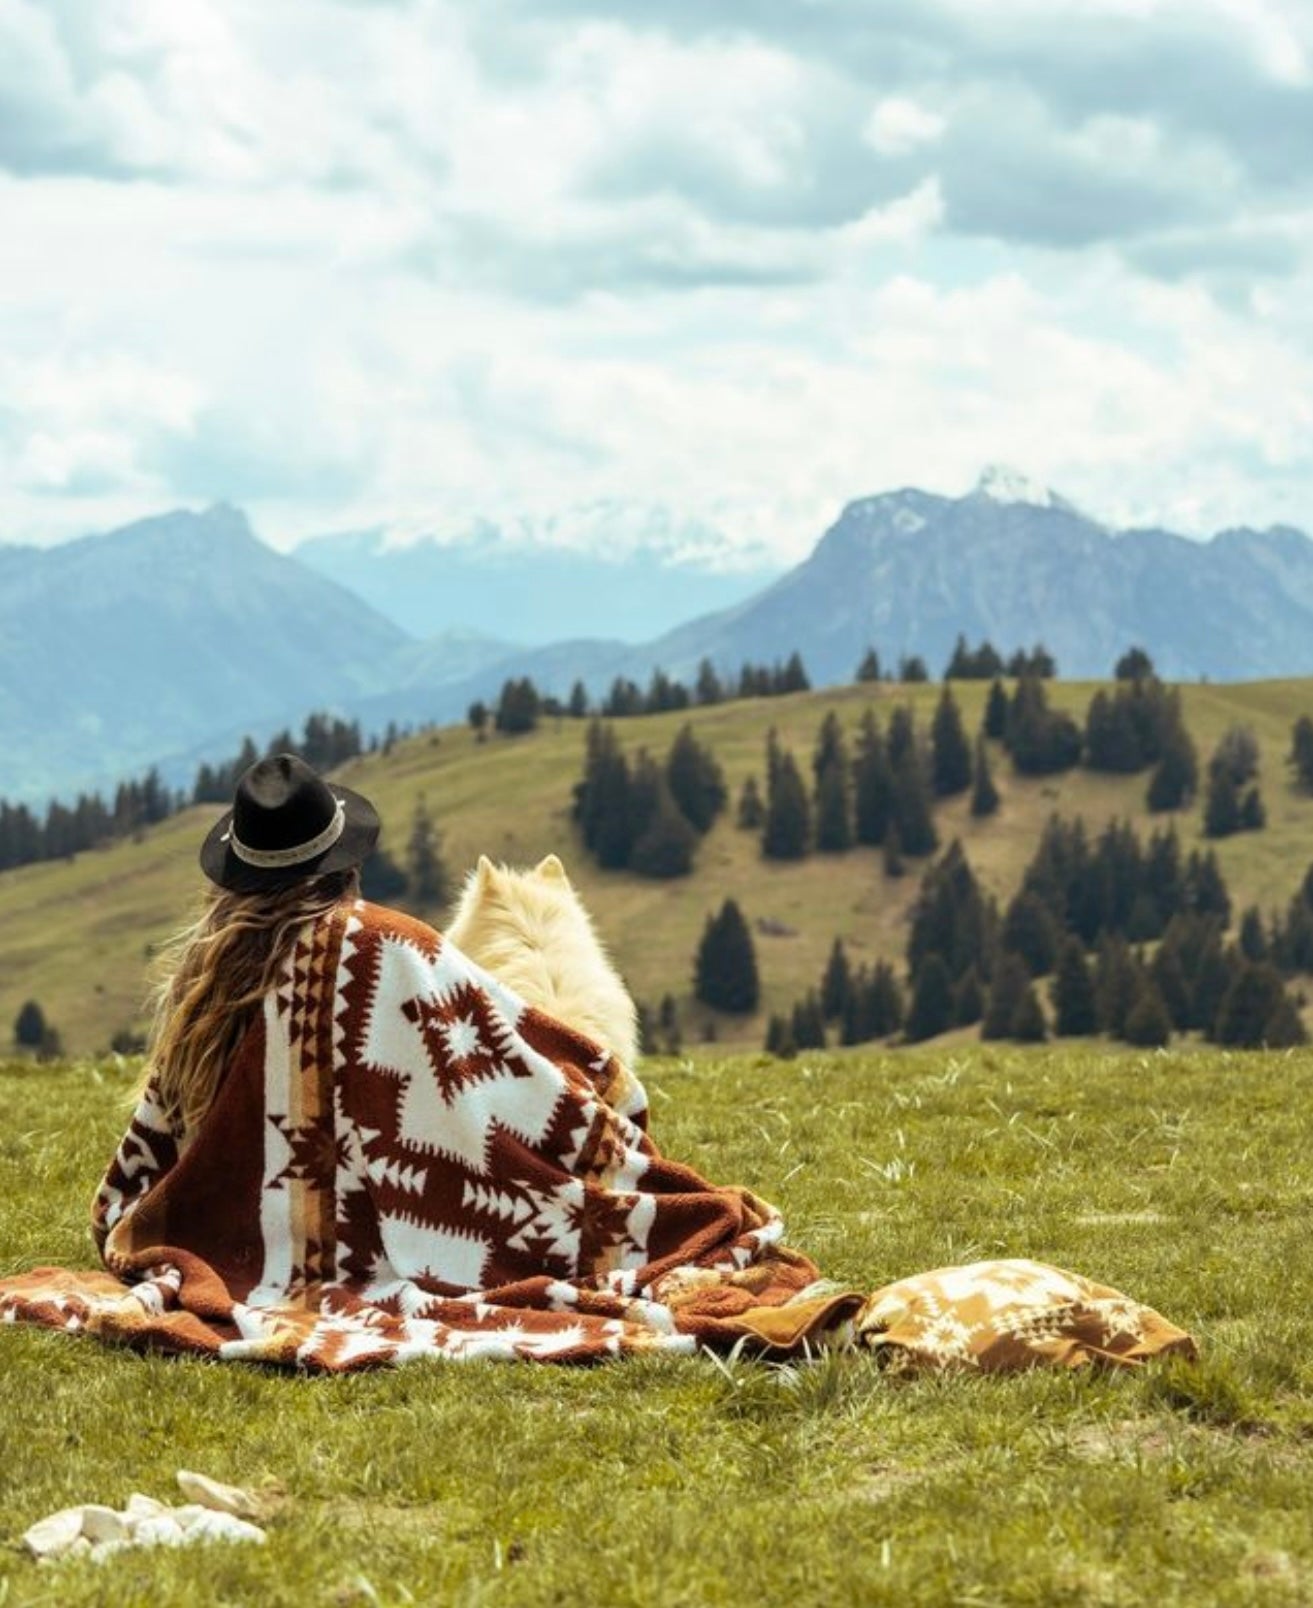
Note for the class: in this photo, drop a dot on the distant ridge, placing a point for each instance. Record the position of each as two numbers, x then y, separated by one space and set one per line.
168 639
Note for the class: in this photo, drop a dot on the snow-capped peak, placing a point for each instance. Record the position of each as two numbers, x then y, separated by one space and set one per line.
1004 485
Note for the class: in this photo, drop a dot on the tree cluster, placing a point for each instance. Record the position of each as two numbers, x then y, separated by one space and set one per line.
645 816
1233 802
881 796
1116 885
1137 725
985 662
967 964
421 878
325 742
858 1005
1042 741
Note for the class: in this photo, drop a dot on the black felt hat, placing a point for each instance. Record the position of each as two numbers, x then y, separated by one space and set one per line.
287 823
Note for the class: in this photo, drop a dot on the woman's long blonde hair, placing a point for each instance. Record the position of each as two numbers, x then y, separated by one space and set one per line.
211 977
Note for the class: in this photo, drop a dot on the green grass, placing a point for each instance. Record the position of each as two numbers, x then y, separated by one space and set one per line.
75 936
1184 1179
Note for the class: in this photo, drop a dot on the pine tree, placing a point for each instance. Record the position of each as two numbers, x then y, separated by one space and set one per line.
892 855
968 999
428 879
1222 805
1217 970
830 745
869 668
577 706
382 880
1285 1027
912 809
1028 1024
950 764
836 982
1205 889
1148 1022
794 677
808 1023
708 688
666 845
873 784
1030 931
1007 993
695 779
1176 776
1301 752
518 707
834 828
931 1011
902 735
725 975
952 918
884 1001
984 795
751 811
1072 992
1251 1002
1134 665
646 784
787 833
1173 986
30 1026
1252 938
668 1022
779 1038
996 712
1116 985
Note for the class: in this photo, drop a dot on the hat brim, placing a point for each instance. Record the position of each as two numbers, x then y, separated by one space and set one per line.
353 848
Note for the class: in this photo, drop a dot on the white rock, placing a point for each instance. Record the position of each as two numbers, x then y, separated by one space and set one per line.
80 1548
216 1526
102 1523
221 1498
187 1516
160 1531
142 1507
52 1537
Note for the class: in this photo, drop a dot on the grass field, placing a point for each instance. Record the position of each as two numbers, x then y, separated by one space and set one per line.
76 935
1185 1179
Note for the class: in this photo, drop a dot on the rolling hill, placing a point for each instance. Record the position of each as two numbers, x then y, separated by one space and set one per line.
77 935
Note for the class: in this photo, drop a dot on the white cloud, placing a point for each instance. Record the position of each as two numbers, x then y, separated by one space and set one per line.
898 125
359 266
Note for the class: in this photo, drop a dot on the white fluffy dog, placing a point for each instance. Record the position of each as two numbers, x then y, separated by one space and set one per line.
531 931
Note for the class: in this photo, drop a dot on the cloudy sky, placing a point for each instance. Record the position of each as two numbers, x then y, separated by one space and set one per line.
353 263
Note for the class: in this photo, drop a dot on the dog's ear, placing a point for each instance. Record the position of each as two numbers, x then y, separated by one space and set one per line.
551 867
485 873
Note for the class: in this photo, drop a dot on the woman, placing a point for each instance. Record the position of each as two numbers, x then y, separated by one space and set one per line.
354 1147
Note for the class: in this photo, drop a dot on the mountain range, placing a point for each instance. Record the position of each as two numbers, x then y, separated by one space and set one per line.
165 641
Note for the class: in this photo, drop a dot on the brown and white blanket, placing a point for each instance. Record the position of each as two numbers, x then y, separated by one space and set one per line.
405 1161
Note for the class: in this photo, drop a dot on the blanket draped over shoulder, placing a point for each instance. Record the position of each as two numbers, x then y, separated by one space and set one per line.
406 1161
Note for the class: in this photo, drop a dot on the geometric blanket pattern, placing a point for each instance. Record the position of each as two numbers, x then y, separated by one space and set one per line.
406 1161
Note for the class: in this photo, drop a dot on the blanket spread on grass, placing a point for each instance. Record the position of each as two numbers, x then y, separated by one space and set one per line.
405 1160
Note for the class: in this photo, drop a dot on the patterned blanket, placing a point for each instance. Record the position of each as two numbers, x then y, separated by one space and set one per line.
404 1161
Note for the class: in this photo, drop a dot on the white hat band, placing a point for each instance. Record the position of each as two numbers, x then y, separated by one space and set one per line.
270 859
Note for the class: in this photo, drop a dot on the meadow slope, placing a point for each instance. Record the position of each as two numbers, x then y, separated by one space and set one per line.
77 936
1182 1178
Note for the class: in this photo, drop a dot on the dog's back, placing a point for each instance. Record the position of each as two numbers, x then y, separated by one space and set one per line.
530 930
